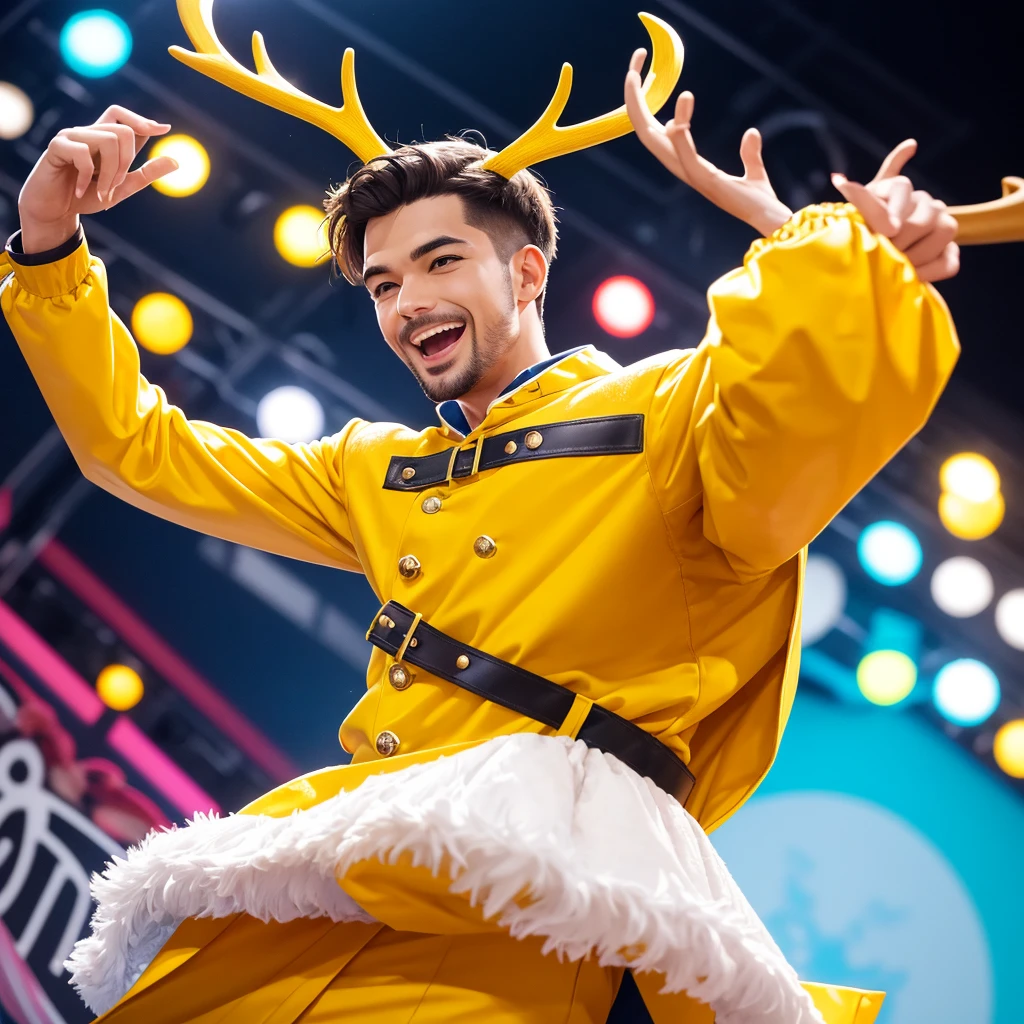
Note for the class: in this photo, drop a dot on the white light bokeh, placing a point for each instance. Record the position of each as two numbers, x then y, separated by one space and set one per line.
824 598
962 587
1010 618
624 306
966 691
291 414
16 112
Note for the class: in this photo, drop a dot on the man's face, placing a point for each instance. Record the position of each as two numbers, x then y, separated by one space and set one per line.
445 301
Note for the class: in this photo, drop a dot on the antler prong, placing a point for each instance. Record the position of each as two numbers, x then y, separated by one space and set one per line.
545 138
1000 220
348 122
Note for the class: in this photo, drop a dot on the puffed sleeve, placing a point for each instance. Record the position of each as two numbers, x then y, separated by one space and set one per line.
824 355
130 440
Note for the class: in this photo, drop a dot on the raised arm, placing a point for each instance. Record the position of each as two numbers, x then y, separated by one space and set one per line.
123 432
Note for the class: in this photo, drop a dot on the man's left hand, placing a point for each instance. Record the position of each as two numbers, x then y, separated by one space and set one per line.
916 223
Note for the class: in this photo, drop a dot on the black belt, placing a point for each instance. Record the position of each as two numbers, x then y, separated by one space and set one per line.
406 637
597 435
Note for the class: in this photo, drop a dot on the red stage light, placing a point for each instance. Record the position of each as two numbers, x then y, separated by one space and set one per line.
623 306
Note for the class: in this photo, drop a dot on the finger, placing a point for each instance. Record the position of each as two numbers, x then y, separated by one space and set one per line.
893 163
68 153
126 152
899 199
146 126
636 62
921 220
872 209
750 154
678 131
945 267
105 148
932 245
647 127
149 172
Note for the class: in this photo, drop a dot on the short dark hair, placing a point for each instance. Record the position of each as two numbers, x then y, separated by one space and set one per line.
514 212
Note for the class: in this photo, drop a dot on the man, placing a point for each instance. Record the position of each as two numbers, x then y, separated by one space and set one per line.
577 552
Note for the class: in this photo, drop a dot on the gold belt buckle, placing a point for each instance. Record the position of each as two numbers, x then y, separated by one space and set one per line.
478 447
417 618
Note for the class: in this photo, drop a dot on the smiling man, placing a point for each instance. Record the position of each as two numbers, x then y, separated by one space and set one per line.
589 577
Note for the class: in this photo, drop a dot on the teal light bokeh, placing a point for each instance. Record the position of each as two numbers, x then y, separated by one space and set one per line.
95 43
890 553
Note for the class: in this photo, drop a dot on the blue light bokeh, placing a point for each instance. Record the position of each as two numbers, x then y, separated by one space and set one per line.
95 43
890 552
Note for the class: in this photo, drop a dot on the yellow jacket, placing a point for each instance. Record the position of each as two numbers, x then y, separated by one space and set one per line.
663 585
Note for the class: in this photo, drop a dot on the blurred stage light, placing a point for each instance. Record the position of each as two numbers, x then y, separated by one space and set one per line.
193 165
1008 748
966 691
95 43
119 687
623 306
161 323
970 476
1010 618
300 236
824 598
962 587
889 552
291 414
971 520
886 677
16 112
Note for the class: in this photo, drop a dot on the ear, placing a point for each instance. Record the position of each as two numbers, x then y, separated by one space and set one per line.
529 275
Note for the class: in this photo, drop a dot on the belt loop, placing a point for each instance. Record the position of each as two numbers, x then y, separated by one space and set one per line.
476 456
573 721
451 464
408 636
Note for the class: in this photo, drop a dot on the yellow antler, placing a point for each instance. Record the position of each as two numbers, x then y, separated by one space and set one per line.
1001 220
547 139
347 122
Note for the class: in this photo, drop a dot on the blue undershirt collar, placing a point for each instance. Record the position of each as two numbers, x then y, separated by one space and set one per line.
451 412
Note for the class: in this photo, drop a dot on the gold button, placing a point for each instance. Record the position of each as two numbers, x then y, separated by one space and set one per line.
533 439
484 546
462 661
510 447
409 567
399 677
431 505
387 743
385 622
408 473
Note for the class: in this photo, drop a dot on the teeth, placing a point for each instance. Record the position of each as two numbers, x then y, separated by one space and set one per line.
420 338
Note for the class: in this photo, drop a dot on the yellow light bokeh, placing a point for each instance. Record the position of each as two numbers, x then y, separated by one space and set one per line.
1008 748
969 476
886 677
300 235
119 687
971 520
193 165
161 323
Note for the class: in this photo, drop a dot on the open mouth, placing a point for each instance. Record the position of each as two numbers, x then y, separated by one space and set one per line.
437 343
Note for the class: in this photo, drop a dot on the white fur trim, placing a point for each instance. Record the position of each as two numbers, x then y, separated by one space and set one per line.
612 863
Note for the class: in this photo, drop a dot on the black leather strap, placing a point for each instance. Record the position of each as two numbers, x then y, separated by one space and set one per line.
598 435
527 694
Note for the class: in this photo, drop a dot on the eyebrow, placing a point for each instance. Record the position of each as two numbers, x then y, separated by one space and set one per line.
418 253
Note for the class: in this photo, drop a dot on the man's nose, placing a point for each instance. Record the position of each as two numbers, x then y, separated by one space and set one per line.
414 299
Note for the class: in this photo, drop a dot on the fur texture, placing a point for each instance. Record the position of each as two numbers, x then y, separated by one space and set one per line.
612 864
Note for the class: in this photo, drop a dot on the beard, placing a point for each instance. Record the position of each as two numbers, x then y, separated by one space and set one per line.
485 353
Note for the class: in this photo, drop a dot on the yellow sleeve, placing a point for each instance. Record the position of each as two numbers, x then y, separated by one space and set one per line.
128 439
824 355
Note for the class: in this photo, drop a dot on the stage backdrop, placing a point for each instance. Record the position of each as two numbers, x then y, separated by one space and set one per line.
882 855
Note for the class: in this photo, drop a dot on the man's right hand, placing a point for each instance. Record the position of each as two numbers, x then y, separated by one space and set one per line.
86 170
